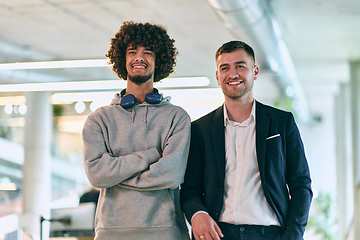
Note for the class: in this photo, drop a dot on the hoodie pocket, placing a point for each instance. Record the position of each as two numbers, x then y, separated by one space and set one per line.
123 208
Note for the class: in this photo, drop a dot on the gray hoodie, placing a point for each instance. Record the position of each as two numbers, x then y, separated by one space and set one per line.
139 196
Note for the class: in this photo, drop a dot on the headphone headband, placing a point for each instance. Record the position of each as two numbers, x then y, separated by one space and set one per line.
129 100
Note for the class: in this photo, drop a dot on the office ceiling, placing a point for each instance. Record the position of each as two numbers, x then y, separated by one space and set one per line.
321 38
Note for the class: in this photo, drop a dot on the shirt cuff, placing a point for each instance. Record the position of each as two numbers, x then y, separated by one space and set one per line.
197 214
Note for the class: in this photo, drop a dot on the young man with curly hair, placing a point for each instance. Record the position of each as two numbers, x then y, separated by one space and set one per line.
136 149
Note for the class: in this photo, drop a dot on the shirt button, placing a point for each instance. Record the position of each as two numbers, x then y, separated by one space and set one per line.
238 146
242 229
236 209
237 188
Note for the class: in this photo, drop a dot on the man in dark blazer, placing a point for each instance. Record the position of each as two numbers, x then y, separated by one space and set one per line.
247 176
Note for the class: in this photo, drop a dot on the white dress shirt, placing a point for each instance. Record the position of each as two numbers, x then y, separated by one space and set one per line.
244 200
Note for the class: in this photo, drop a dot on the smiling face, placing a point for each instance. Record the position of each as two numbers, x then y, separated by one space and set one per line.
235 74
140 64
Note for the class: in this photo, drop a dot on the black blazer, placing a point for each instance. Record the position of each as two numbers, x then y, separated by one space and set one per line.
283 167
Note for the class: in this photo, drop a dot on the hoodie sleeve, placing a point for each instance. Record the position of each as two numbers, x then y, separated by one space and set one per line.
169 171
102 168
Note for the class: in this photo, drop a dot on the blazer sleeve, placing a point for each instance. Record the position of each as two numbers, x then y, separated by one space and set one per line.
191 193
298 182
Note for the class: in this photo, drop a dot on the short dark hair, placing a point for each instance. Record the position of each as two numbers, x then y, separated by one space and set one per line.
148 35
233 46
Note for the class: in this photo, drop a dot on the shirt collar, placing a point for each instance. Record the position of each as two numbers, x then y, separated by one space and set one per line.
249 120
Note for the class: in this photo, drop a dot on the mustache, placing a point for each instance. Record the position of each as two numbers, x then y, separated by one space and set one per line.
236 77
139 62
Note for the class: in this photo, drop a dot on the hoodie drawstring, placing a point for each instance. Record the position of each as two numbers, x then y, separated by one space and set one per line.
133 114
145 114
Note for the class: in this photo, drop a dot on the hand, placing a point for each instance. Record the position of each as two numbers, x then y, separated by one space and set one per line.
205 228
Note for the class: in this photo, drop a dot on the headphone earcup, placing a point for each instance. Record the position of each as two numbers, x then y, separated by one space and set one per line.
128 101
153 98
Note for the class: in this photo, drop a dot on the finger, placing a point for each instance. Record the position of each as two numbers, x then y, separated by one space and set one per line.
214 235
202 237
208 237
199 237
218 230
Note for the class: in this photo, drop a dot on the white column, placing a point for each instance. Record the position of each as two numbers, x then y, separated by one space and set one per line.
345 194
36 188
355 115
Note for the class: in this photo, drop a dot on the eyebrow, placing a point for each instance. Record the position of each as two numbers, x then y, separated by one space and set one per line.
223 65
236 63
131 48
241 62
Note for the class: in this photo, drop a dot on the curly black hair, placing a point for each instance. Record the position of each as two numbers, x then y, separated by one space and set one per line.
147 35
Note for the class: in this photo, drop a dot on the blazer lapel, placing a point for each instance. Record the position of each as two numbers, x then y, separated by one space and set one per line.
217 131
262 128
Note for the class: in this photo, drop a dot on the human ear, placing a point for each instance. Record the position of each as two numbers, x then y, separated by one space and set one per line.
256 72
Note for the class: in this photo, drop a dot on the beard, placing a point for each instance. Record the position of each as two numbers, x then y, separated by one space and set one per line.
138 79
238 95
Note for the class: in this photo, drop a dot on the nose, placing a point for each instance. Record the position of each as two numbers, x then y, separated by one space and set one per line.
139 57
234 74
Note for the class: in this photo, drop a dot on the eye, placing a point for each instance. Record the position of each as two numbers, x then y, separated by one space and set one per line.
241 66
149 53
224 68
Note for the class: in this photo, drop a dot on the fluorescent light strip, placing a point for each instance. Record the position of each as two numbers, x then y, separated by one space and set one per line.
7 187
106 97
13 100
69 98
63 86
183 82
56 64
99 85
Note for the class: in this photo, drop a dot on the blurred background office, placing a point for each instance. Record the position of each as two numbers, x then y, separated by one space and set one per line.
53 73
